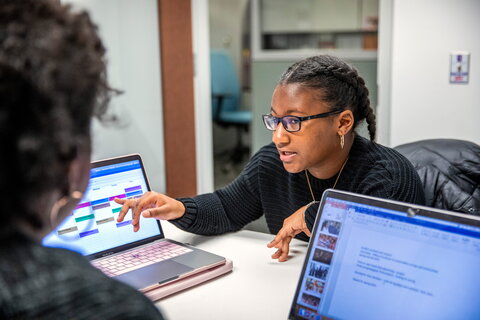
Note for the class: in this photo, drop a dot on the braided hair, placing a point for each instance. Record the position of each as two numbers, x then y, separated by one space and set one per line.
52 81
339 85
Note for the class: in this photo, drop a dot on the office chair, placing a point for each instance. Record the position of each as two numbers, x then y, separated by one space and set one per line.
450 172
226 98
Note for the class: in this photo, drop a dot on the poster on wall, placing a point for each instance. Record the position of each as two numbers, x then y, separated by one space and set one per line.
459 64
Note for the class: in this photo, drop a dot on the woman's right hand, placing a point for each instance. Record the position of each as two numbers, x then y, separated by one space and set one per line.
150 205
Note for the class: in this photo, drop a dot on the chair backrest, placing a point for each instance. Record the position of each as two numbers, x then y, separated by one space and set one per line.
224 81
450 172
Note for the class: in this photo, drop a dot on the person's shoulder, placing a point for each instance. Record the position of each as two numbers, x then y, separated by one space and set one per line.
379 155
268 150
384 172
102 292
84 290
266 156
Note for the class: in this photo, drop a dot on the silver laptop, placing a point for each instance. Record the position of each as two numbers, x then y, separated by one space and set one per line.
370 258
143 259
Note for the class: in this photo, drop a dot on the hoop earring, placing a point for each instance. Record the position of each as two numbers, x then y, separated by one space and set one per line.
342 141
59 204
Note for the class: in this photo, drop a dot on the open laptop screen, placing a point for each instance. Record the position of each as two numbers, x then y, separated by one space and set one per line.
93 226
369 259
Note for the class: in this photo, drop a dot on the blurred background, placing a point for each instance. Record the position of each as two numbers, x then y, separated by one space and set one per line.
198 75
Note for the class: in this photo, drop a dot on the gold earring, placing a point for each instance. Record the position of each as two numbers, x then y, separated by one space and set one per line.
76 195
342 141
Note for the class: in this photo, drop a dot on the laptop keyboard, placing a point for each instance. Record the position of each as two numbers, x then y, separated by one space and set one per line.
139 257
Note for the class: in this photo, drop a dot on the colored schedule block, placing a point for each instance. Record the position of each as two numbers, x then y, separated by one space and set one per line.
82 205
124 223
101 206
116 210
104 221
135 193
80 219
67 230
99 201
88 233
120 196
127 190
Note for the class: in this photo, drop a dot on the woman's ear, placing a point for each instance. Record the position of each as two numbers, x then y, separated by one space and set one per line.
78 176
79 171
345 122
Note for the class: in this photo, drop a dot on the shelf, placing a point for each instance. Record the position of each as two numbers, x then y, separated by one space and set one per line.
299 54
310 32
336 40
285 30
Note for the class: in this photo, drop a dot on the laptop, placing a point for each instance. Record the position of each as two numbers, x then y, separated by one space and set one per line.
144 259
370 258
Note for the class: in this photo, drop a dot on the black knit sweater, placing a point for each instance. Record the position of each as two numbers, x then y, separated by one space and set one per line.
48 283
265 187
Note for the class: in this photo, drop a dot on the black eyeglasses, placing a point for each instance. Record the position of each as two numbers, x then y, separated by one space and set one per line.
292 123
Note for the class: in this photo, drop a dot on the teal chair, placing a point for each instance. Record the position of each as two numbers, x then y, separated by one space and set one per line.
226 99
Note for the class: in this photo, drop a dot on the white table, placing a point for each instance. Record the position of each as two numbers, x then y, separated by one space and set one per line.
257 288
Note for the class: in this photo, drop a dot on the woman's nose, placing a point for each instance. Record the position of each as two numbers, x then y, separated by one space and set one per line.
280 136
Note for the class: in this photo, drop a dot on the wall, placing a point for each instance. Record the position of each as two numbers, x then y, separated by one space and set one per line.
423 103
203 112
227 19
129 30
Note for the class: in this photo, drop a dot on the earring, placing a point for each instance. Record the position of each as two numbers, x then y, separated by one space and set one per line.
76 195
342 141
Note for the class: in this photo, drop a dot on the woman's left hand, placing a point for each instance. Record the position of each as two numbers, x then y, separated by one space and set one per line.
292 226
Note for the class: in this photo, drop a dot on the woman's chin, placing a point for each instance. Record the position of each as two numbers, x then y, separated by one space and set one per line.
292 168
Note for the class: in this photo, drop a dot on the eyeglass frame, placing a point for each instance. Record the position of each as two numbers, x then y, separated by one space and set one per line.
300 119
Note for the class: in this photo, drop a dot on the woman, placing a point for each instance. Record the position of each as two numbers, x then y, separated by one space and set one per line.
316 106
52 81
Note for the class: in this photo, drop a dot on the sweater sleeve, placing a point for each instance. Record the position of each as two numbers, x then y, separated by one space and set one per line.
225 210
310 215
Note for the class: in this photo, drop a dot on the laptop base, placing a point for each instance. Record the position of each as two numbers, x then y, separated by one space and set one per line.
188 282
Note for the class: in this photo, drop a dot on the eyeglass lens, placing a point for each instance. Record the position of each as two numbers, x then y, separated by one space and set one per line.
290 123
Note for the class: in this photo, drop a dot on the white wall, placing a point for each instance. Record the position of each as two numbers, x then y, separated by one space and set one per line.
129 30
203 110
424 104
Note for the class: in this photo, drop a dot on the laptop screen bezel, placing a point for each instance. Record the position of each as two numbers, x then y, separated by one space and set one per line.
416 210
112 161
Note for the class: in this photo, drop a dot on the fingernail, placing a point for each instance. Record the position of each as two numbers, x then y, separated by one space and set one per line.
146 214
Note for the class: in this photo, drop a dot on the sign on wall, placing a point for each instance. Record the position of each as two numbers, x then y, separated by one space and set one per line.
459 65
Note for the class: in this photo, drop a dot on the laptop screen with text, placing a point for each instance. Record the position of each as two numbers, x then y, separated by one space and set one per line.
93 226
370 259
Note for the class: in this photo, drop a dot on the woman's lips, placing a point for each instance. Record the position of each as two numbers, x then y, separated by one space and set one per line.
287 156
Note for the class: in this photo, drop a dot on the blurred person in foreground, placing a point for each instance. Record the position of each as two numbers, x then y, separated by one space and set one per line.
52 82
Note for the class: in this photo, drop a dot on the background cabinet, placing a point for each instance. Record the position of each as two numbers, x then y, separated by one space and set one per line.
318 24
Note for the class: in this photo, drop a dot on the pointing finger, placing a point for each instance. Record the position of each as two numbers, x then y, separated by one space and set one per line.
127 204
120 201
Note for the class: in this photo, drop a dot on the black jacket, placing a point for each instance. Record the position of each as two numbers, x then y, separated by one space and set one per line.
450 172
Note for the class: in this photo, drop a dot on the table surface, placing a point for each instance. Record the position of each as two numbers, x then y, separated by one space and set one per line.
257 288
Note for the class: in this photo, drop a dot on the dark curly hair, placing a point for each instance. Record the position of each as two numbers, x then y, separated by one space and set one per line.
339 83
52 81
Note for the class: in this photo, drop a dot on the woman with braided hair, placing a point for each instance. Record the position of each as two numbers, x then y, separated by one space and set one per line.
316 106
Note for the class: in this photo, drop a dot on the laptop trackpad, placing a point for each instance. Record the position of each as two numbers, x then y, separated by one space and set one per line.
153 274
